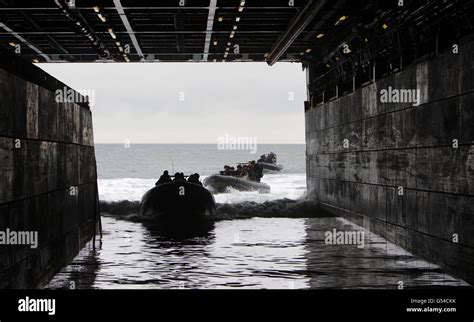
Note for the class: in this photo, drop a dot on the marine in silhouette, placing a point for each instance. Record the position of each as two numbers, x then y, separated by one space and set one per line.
179 177
251 170
271 158
258 169
164 178
194 178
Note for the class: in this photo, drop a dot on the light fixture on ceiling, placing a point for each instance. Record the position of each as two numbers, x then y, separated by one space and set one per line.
111 32
101 17
341 19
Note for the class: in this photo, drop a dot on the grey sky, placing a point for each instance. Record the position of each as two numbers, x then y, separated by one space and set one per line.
141 102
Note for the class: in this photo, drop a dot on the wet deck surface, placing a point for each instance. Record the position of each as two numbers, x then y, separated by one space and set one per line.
274 253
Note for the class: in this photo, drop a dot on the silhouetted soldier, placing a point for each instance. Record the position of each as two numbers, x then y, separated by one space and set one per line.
178 176
238 172
272 157
245 171
252 175
194 178
164 178
258 170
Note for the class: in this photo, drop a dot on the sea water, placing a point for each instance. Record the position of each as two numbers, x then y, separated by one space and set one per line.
275 240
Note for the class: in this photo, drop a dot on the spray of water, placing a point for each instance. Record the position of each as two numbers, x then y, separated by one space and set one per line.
283 208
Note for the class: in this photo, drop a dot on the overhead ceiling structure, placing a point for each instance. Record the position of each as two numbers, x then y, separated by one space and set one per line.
204 30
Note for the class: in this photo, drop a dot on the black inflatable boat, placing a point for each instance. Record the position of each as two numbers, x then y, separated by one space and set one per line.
178 204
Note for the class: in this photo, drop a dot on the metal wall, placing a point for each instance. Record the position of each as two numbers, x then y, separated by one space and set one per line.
46 147
398 145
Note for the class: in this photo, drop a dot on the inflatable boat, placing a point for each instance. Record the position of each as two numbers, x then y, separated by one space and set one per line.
270 167
178 204
221 183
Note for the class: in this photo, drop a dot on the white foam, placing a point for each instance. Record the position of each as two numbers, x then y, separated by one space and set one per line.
291 186
131 189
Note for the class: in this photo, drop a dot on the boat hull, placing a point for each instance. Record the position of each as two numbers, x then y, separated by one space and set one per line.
180 204
220 184
270 167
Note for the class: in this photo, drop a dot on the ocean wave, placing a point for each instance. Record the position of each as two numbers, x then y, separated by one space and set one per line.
282 208
291 186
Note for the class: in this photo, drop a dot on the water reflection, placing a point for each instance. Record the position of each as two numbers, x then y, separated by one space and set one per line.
163 234
273 253
250 253
379 264
82 272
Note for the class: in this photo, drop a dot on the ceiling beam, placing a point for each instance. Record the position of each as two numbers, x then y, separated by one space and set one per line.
126 23
26 42
49 37
210 26
297 25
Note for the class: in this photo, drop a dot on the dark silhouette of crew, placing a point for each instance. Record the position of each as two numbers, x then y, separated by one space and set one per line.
238 172
194 178
179 176
258 169
271 158
164 178
251 170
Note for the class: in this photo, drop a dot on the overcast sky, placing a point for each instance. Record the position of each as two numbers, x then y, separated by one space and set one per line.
191 102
